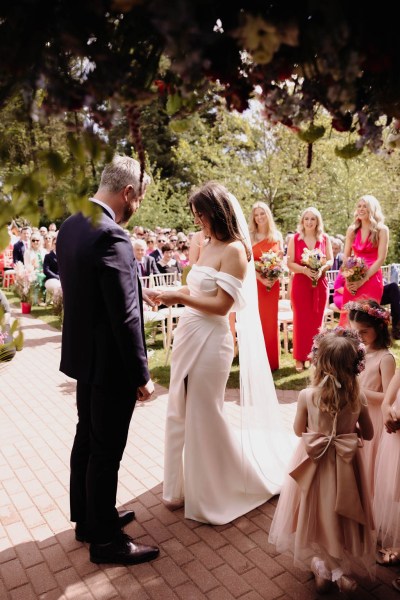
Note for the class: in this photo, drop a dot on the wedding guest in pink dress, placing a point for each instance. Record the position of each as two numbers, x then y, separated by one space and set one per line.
308 301
371 322
387 481
368 238
324 515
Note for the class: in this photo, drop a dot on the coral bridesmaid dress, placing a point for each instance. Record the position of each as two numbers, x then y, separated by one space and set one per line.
373 288
268 307
308 303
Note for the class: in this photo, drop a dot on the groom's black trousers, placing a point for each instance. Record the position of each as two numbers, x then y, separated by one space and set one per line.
104 415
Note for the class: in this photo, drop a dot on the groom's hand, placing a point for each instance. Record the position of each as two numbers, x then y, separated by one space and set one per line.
151 297
145 391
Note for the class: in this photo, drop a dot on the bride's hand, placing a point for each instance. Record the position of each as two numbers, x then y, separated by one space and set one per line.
170 298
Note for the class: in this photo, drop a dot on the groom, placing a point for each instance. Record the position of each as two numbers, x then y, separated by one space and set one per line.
103 348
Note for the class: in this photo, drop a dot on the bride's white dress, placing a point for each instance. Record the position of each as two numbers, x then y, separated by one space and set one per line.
206 463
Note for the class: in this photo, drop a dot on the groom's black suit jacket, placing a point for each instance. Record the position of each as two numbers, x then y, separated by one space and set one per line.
103 335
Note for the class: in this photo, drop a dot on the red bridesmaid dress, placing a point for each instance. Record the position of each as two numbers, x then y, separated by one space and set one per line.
268 307
373 288
308 303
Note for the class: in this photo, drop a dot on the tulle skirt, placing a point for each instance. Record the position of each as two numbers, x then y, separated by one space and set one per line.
307 524
387 488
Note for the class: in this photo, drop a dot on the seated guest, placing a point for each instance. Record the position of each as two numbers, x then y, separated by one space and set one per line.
34 257
157 253
168 264
50 269
337 250
22 245
146 264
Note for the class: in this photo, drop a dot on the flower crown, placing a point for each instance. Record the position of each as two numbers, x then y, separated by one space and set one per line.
340 332
377 313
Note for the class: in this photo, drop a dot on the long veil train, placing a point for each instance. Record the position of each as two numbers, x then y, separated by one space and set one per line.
267 437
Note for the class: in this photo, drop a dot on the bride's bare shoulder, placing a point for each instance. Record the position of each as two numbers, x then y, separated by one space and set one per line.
234 259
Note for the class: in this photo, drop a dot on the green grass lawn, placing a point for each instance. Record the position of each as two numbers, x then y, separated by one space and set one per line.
285 377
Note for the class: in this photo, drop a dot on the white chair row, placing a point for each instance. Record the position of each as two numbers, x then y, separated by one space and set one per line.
159 279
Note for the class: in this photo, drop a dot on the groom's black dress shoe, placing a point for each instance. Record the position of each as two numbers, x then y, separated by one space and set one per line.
123 551
125 517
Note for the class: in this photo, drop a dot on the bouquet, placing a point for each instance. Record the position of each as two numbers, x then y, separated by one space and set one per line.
354 268
314 260
270 266
25 281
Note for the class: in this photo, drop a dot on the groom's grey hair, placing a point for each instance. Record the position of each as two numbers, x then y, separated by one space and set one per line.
123 171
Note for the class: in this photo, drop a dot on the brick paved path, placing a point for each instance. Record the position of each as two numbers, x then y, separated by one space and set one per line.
39 557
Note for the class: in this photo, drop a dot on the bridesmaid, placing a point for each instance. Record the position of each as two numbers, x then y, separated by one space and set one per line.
308 302
367 237
265 237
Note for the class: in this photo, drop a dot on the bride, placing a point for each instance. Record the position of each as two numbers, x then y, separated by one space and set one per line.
217 473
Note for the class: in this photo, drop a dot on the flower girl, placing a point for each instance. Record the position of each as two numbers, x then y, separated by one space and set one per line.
371 322
324 514
387 480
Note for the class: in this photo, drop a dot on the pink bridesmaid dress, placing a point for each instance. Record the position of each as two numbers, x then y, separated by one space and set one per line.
373 288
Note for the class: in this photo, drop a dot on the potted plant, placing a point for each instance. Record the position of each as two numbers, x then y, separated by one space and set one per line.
25 282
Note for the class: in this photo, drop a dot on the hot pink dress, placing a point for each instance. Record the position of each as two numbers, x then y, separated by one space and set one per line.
308 303
373 288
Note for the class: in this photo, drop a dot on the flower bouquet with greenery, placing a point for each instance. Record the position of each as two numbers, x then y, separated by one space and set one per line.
270 266
354 268
25 281
314 260
11 337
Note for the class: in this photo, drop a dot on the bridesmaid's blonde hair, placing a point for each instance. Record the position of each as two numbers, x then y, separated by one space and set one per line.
273 234
375 215
319 231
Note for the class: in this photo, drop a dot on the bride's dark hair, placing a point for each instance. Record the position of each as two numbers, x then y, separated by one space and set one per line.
212 201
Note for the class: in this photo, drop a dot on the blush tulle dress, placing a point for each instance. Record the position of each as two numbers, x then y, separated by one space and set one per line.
387 488
324 508
371 379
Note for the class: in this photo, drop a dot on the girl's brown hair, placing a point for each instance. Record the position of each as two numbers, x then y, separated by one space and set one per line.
336 356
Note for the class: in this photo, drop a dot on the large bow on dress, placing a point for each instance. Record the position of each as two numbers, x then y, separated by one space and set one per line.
348 502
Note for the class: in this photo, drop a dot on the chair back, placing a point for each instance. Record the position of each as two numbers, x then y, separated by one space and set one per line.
164 279
331 277
146 281
386 272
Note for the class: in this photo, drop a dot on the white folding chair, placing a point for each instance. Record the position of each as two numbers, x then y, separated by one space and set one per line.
386 272
331 277
285 318
146 281
159 279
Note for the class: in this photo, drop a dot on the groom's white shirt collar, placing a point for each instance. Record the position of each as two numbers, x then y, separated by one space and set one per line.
105 206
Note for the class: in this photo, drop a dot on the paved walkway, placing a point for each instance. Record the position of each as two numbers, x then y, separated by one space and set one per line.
39 557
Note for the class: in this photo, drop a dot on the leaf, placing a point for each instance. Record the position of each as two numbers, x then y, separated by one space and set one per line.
4 238
174 103
19 341
179 125
312 134
76 148
348 151
54 162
